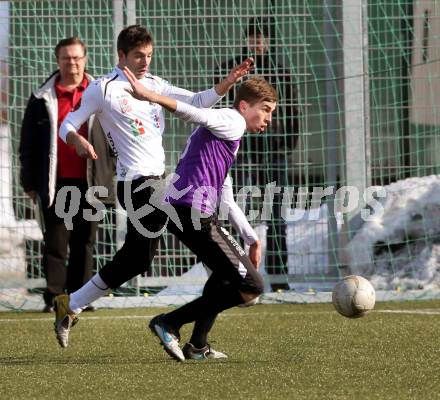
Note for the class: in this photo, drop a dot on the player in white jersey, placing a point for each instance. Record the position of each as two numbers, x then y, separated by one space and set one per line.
134 130
195 196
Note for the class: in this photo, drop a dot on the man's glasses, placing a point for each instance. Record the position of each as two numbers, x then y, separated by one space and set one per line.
74 59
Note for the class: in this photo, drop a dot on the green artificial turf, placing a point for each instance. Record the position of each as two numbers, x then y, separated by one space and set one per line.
275 352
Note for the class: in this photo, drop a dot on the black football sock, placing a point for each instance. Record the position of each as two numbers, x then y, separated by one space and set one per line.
202 327
205 306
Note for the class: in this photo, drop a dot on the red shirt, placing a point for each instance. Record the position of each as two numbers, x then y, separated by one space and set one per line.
69 164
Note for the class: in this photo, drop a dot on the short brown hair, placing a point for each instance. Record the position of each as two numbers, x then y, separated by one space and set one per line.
132 37
68 42
254 90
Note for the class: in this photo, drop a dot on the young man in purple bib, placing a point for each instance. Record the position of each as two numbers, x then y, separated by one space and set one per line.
203 183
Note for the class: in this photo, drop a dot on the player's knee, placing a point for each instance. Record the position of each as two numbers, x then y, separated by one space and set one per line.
249 298
250 302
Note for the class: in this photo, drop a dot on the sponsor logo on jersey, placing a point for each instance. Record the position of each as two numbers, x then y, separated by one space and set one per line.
124 103
155 118
122 171
137 128
112 144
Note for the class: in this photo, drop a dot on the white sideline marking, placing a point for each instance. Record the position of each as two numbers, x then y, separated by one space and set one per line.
122 317
109 317
82 318
418 312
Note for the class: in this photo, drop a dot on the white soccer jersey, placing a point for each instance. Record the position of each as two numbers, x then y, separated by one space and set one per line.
133 128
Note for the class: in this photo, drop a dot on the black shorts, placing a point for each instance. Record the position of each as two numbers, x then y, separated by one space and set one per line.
218 250
136 254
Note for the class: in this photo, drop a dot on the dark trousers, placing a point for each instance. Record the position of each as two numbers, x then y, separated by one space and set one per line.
232 270
139 248
67 254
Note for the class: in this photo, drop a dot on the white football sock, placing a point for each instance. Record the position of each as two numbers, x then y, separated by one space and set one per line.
91 291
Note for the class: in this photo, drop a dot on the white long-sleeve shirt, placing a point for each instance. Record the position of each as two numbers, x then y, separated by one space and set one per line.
133 128
235 215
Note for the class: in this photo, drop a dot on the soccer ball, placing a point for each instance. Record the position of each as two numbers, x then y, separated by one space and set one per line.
354 296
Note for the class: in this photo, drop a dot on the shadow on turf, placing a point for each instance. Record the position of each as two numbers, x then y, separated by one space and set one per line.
103 360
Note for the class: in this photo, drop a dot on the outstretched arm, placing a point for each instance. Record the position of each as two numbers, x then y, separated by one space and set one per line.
140 92
207 98
224 123
234 76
